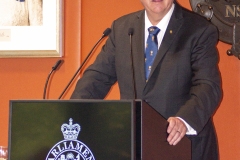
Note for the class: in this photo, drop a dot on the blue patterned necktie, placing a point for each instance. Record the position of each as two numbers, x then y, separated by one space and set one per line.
151 49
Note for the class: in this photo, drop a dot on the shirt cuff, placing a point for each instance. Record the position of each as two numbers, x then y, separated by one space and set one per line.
190 130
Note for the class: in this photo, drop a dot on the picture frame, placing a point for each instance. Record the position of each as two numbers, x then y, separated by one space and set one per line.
44 40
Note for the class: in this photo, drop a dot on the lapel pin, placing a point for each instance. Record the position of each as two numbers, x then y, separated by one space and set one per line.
170 31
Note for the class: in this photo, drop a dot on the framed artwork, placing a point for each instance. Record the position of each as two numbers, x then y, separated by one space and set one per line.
31 28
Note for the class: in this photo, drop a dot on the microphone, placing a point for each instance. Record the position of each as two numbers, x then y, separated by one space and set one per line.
105 33
49 75
130 33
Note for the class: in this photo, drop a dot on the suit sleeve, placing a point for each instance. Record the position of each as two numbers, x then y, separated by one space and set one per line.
205 93
100 76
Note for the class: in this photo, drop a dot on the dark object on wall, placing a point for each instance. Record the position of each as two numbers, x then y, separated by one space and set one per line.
225 14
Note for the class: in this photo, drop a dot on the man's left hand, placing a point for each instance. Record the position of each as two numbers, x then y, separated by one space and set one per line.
176 130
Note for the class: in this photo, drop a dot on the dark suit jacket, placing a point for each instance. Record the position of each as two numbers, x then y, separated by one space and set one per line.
184 81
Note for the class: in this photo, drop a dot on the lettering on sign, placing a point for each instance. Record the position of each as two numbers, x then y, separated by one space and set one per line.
232 11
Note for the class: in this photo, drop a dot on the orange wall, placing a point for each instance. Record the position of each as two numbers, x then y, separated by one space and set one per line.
24 78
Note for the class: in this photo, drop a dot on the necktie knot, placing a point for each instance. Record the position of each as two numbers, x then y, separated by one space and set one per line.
153 30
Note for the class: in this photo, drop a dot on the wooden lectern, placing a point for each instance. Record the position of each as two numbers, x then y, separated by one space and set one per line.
108 130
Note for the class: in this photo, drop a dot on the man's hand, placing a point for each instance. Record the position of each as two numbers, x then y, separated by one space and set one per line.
176 130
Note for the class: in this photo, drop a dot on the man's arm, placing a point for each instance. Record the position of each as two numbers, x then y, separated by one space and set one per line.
205 91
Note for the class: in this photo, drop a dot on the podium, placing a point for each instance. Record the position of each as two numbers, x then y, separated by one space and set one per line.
90 129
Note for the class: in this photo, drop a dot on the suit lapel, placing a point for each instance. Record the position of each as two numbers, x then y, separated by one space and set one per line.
173 28
138 46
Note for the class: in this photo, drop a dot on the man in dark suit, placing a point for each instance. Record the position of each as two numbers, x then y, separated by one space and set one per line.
184 80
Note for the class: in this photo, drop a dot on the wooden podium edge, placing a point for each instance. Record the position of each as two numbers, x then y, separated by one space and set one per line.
154 138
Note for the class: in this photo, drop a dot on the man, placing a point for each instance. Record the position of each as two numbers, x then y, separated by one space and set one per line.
183 82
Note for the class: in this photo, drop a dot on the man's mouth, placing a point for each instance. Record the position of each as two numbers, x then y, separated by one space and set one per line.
157 0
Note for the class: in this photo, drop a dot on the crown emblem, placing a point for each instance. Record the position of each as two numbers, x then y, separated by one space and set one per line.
70 131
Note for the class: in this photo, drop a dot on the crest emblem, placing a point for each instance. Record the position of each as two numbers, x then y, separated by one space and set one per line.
70 148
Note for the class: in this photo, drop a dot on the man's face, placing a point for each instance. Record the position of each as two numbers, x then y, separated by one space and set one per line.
159 7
